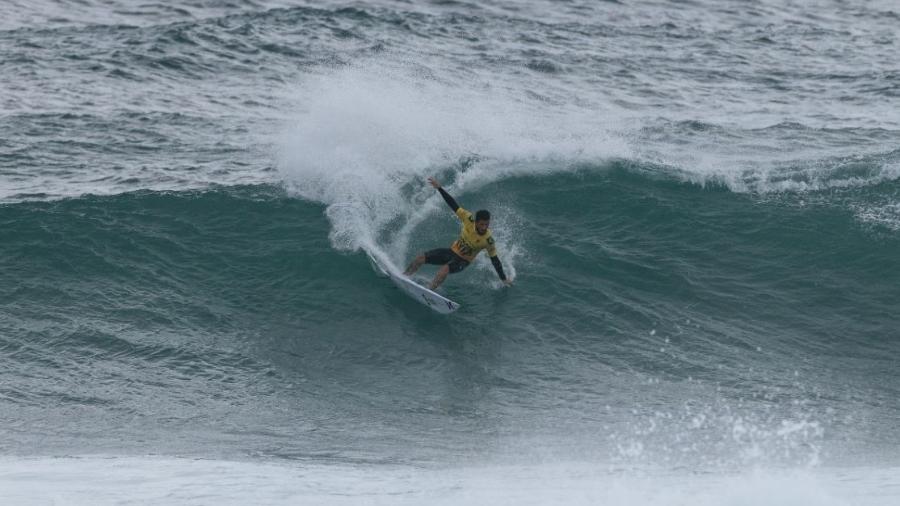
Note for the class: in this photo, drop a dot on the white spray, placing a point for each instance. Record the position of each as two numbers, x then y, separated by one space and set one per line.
367 137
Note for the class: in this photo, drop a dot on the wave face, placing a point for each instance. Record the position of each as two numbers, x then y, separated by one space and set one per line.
651 318
700 203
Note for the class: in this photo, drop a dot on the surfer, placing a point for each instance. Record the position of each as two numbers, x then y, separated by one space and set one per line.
474 237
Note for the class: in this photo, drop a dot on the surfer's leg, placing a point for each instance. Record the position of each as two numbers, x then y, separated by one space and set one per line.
440 277
414 266
455 265
438 256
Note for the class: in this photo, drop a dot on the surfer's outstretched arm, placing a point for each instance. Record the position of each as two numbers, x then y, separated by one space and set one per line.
447 198
495 260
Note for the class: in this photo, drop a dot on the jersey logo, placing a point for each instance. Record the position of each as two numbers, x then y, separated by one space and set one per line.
490 240
471 218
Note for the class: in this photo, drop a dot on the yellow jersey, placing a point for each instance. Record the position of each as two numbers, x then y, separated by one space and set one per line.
470 242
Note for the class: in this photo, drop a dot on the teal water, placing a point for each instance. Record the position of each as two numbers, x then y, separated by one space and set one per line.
699 203
634 291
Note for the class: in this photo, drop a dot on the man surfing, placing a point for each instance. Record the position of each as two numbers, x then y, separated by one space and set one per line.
474 237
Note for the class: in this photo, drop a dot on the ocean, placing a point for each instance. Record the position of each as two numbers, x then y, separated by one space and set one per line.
699 203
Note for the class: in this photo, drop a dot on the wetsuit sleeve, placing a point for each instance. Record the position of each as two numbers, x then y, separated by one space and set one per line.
495 260
448 199
498 267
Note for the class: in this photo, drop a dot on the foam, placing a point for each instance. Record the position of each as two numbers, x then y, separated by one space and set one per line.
95 480
768 160
883 215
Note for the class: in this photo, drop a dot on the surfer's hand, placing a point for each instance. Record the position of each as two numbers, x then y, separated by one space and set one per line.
433 182
507 282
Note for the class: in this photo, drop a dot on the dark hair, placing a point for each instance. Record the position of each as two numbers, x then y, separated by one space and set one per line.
482 215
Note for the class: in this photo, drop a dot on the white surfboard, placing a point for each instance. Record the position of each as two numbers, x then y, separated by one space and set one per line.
434 300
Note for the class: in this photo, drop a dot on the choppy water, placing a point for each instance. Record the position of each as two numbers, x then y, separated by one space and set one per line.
700 202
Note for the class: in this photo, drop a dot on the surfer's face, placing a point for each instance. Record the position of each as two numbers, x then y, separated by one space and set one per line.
481 226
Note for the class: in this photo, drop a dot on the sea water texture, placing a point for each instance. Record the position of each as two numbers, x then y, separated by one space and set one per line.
699 202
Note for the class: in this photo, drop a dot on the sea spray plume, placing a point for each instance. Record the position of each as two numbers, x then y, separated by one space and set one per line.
368 135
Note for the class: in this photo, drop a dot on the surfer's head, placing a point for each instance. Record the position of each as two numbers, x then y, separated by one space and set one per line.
482 221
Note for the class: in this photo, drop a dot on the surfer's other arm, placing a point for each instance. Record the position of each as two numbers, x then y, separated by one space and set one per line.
495 260
447 198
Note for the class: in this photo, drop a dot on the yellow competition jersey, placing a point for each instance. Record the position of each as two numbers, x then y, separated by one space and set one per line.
470 243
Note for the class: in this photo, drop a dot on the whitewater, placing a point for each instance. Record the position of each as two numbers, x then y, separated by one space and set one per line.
699 202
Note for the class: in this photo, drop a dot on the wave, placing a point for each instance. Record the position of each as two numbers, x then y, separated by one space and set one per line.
759 311
652 250
704 249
